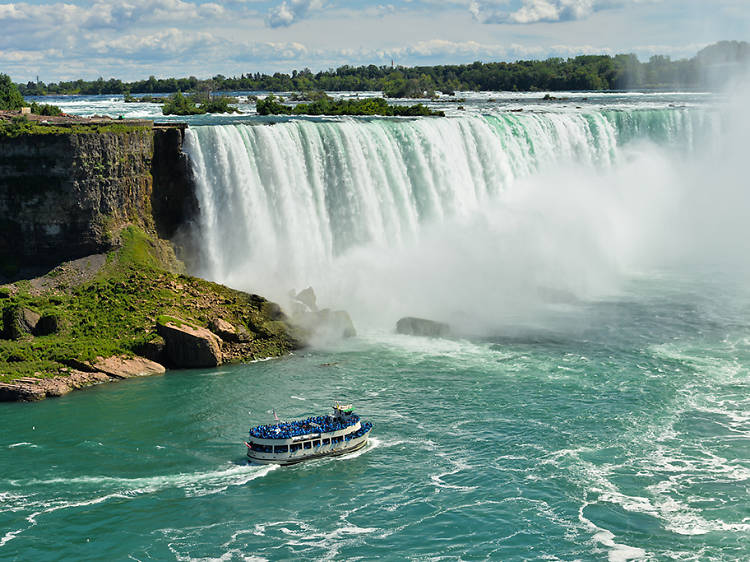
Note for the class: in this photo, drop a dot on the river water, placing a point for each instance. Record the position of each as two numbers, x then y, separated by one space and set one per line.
594 404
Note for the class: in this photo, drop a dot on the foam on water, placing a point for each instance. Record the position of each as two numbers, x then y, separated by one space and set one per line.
193 485
217 480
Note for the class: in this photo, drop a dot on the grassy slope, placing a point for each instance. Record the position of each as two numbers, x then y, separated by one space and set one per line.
20 127
117 311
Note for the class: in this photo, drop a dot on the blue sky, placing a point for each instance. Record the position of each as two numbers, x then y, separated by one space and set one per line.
133 39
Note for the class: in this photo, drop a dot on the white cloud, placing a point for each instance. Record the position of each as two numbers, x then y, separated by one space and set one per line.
536 11
291 11
30 56
162 44
439 48
131 39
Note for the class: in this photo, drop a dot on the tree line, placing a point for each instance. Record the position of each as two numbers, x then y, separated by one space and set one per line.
584 72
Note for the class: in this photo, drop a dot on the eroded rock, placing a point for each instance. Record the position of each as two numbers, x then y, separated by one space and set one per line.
308 298
422 327
325 323
190 346
27 389
228 332
47 325
19 321
121 367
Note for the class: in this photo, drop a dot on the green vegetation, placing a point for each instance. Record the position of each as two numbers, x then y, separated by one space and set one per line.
326 105
219 105
20 125
144 99
586 72
45 109
116 312
179 104
11 99
10 96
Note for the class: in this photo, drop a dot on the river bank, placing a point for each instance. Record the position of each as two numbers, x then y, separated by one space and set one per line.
123 314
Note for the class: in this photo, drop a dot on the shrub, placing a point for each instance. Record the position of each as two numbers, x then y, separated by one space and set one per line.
180 105
45 109
10 96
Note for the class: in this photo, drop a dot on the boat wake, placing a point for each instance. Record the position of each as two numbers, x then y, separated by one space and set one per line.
372 443
194 484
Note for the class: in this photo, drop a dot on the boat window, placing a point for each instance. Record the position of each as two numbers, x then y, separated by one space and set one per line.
326 441
316 443
338 439
295 447
281 449
308 444
258 448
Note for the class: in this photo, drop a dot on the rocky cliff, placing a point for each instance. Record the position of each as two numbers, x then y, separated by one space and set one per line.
100 203
64 196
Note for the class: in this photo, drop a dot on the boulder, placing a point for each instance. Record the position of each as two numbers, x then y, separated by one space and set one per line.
189 346
121 367
326 323
422 327
228 332
308 298
154 349
48 324
337 322
19 321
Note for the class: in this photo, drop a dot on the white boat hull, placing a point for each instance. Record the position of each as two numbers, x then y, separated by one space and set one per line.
308 454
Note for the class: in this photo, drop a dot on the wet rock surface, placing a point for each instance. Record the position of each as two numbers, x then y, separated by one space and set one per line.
413 326
324 324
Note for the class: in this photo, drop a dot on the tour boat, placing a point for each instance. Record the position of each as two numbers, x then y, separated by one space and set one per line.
317 436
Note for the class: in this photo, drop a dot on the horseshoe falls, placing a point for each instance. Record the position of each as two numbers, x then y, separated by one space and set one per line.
593 401
370 212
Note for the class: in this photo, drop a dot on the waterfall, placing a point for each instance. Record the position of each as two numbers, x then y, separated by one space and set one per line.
281 204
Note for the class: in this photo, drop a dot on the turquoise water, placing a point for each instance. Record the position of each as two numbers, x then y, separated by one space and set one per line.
602 413
618 431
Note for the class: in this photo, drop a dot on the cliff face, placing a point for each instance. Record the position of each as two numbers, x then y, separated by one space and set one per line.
173 199
68 195
64 196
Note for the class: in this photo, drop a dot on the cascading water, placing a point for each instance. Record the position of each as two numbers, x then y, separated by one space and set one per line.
283 205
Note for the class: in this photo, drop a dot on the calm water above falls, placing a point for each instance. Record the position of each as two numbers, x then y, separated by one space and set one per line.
600 424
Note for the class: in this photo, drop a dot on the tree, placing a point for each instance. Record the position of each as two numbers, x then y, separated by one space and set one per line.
10 96
180 105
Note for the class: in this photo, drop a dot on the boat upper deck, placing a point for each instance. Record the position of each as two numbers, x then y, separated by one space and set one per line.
313 424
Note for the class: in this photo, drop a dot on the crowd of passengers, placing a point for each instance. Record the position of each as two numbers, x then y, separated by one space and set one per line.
313 424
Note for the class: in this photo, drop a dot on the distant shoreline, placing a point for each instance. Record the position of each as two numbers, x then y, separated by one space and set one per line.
708 68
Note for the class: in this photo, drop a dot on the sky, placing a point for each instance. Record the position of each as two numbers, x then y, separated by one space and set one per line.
134 39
